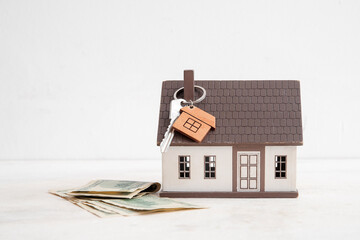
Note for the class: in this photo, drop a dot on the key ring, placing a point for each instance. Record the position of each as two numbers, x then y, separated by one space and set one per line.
197 100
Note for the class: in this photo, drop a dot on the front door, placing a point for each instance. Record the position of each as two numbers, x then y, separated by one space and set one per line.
248 178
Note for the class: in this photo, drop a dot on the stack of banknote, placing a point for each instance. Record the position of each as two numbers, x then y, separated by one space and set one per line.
107 198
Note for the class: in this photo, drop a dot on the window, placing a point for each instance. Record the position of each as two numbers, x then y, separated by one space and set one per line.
192 125
280 167
184 167
210 167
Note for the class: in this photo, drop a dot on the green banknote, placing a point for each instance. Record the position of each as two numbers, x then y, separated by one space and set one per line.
115 189
95 205
150 202
109 198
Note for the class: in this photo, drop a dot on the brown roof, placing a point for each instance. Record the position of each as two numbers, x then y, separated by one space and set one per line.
247 112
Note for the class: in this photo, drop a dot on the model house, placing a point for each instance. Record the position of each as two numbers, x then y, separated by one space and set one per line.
252 151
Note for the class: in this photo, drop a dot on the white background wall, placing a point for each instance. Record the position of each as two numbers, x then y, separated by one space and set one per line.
81 79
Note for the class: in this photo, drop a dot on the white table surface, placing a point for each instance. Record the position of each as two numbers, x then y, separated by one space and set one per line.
328 206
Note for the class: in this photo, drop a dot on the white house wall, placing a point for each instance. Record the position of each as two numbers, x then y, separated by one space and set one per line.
170 169
272 184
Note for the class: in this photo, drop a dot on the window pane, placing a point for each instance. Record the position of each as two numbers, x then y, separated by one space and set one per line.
190 121
187 166
243 171
197 125
181 159
207 167
277 166
187 174
283 174
212 169
283 158
206 159
253 171
207 174
243 184
187 125
252 184
194 129
243 159
253 159
283 166
187 159
213 175
277 174
181 167
181 174
212 159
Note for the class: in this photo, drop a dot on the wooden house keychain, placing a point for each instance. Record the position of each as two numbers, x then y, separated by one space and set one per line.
189 120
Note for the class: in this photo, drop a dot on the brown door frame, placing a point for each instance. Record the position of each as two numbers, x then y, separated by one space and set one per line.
248 148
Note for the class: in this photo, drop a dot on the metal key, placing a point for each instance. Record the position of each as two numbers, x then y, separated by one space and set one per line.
175 107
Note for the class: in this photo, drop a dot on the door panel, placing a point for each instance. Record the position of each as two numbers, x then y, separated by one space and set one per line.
252 184
243 171
253 159
244 159
252 171
243 184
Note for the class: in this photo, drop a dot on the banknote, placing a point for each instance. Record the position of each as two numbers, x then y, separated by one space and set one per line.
96 212
117 186
114 209
89 198
115 189
81 203
150 202
95 206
